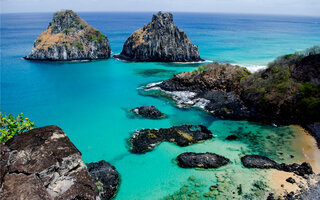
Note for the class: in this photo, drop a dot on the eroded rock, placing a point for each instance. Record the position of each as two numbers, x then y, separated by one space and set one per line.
201 160
44 164
159 41
69 37
148 112
146 139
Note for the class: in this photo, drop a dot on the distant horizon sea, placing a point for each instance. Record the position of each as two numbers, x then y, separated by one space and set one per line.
90 100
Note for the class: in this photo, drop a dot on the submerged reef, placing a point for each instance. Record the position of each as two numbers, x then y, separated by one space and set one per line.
145 140
68 37
286 92
43 164
159 41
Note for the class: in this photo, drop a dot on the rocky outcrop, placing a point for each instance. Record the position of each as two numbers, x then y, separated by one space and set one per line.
148 112
286 92
69 37
215 89
146 139
201 160
314 130
262 162
44 164
159 41
105 177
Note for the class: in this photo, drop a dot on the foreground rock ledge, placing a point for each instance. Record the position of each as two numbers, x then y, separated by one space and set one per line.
201 160
68 37
44 164
146 139
159 41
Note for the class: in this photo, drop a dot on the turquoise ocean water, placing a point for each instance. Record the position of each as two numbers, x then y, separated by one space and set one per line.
88 100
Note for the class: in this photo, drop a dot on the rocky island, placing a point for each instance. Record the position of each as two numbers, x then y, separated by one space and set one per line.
68 37
201 160
286 92
159 41
150 112
145 140
43 164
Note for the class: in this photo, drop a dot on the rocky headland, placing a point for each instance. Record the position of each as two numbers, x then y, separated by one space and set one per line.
286 92
68 37
145 140
159 41
150 112
201 160
43 164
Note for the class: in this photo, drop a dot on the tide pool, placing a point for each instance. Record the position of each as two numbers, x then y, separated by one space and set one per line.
89 100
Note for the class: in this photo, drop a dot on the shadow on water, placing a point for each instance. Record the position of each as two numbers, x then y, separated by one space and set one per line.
155 72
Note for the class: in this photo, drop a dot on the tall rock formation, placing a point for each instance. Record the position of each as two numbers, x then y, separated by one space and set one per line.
159 41
69 37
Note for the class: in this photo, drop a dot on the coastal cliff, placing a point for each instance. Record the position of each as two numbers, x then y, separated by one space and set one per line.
159 41
68 37
286 92
43 164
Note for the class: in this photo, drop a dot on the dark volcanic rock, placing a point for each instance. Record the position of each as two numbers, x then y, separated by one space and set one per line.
256 161
69 37
159 41
286 92
314 130
201 160
146 139
232 137
262 162
148 112
290 180
44 164
106 178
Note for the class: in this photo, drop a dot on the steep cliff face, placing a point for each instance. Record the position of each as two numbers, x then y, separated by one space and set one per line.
43 164
69 37
159 41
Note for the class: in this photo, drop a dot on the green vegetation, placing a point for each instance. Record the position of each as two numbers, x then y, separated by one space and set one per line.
79 45
67 31
11 126
95 35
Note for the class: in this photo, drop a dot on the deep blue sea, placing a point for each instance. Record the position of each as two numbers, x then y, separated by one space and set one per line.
89 100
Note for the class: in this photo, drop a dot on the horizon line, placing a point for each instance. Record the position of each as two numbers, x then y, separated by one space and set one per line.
196 12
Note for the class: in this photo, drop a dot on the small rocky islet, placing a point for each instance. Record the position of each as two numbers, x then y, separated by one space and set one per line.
145 140
150 112
69 37
159 41
201 160
43 164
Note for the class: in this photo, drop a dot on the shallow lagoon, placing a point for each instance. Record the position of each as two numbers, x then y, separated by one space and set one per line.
88 100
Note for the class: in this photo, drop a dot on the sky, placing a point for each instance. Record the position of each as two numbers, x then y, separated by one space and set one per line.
278 7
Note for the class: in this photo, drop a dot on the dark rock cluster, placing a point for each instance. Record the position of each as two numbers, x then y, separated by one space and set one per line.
43 164
201 160
146 139
69 37
148 112
105 177
159 41
262 162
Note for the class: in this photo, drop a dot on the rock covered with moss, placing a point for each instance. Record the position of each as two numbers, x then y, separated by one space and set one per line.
69 37
146 139
43 164
159 41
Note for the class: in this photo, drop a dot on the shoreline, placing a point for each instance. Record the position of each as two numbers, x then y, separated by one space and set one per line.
305 143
